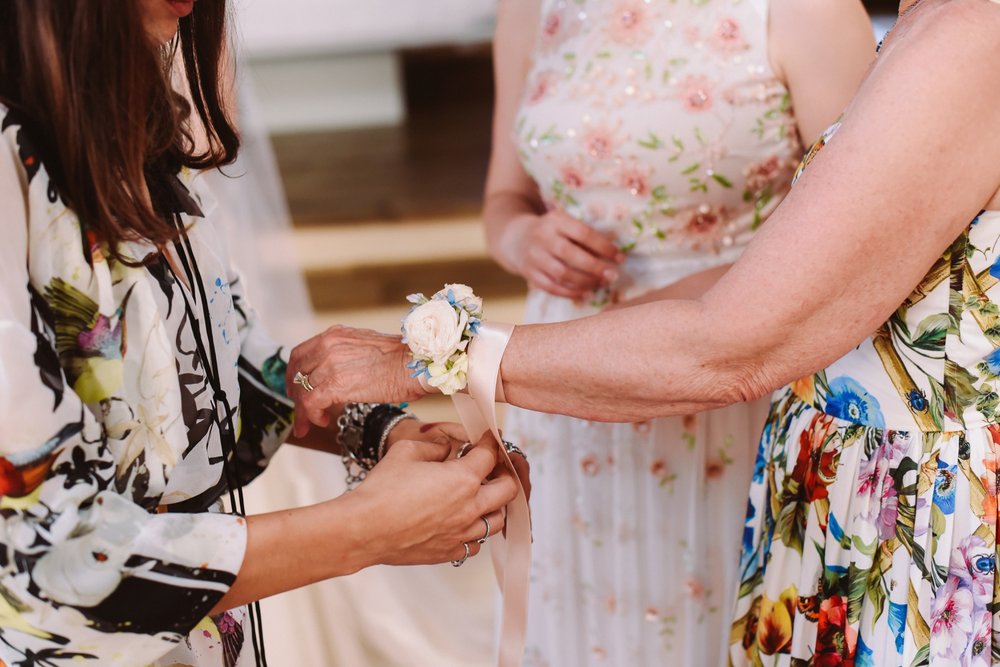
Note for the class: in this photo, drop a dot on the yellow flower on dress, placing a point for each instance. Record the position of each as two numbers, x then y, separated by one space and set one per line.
774 629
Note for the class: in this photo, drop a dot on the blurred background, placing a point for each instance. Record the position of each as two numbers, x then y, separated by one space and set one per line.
367 132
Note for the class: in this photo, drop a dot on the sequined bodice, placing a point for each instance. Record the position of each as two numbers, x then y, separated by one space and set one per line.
660 120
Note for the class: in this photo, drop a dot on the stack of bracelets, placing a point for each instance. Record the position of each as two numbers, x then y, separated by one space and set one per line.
364 435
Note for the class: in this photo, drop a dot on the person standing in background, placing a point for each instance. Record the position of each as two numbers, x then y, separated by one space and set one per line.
637 146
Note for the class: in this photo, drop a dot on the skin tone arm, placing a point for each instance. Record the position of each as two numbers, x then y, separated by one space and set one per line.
551 250
414 508
915 161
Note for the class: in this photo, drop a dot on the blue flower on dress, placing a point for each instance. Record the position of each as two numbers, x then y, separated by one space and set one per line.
944 487
897 623
993 358
850 401
864 657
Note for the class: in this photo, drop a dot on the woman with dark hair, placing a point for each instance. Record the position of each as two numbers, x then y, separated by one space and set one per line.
869 301
136 386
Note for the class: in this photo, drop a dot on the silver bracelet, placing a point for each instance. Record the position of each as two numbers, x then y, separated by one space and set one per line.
383 440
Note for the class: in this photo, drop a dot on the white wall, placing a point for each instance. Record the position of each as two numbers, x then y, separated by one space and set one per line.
282 28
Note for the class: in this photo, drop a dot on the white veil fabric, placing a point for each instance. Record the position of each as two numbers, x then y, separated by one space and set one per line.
389 617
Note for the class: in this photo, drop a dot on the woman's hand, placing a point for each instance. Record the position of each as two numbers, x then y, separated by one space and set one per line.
344 365
454 435
419 505
559 254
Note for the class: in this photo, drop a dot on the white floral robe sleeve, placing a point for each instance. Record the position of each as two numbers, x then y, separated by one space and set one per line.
110 455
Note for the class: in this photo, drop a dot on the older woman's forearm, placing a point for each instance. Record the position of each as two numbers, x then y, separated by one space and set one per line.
604 368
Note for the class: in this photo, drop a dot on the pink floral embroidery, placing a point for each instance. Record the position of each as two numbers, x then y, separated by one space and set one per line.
762 174
659 468
695 589
540 86
635 179
714 469
695 93
704 227
600 141
590 465
630 22
572 176
728 36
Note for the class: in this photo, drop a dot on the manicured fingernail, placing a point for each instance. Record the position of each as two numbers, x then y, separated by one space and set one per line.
610 275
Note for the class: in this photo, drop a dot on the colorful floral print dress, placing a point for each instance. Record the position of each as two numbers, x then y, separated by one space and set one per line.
665 123
111 548
870 535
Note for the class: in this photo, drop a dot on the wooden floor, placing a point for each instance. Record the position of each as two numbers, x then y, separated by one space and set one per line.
382 212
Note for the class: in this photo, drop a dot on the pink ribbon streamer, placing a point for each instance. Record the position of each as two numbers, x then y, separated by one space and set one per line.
511 554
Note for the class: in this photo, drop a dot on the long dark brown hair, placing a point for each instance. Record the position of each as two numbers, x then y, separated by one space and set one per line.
93 90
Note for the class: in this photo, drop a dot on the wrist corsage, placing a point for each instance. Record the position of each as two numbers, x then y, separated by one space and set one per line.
437 331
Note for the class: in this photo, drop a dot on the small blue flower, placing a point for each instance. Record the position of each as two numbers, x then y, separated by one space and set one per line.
850 401
758 465
944 488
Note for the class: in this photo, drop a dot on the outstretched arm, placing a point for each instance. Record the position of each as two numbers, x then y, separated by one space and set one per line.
914 162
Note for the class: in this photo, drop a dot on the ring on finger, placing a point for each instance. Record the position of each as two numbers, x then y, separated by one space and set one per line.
511 448
489 528
302 380
464 449
460 563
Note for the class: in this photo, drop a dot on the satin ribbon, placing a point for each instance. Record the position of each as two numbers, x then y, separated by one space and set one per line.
511 554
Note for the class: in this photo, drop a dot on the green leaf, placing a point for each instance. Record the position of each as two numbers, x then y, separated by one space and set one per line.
922 657
722 180
932 331
693 168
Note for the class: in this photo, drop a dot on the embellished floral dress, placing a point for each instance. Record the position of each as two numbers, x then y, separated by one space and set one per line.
111 461
870 534
664 123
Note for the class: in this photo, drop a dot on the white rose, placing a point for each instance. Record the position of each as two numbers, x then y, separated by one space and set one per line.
464 296
450 380
434 330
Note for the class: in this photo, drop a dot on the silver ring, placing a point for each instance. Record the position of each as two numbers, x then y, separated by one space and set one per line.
460 563
489 529
511 448
302 380
463 450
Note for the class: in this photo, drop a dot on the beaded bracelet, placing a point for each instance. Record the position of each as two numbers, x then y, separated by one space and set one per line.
363 435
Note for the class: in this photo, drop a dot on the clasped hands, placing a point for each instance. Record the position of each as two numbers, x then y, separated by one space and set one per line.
429 502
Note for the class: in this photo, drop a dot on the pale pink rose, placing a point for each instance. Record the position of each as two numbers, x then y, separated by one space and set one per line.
695 93
635 179
695 589
572 176
659 468
540 86
600 141
590 465
762 174
652 614
951 620
714 469
630 22
558 25
728 36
